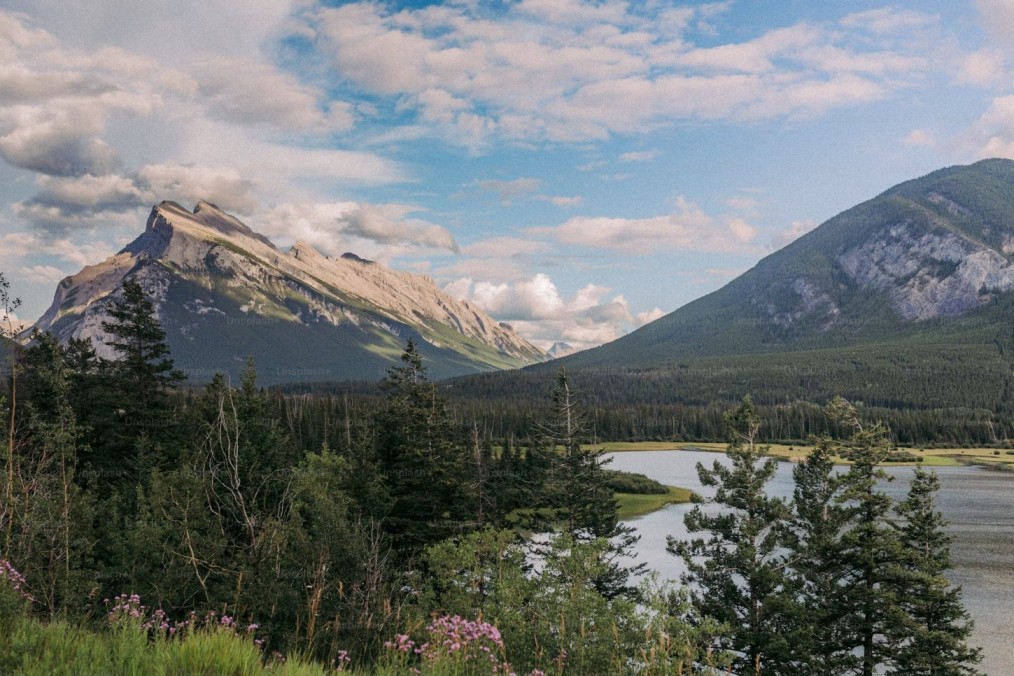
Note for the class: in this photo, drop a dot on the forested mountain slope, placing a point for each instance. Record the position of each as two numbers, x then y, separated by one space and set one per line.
928 259
904 303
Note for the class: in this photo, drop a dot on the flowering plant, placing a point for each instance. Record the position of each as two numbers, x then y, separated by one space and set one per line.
453 643
128 609
15 580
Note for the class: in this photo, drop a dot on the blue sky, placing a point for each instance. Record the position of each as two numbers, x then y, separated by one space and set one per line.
576 169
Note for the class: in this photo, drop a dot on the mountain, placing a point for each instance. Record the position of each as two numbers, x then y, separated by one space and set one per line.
561 349
932 258
904 303
224 293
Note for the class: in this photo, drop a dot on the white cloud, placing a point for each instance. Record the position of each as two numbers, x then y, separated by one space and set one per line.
992 135
11 323
71 253
565 202
888 20
984 68
504 247
86 202
237 90
920 138
42 274
688 228
650 316
380 231
536 309
639 156
571 72
997 19
230 126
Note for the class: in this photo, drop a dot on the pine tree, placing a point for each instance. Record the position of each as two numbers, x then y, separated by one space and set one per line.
932 640
870 548
584 503
738 570
818 522
131 417
424 470
144 365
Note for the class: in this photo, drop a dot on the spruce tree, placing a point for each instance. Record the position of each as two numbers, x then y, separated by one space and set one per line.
131 416
737 572
423 469
579 492
932 638
145 366
869 548
819 519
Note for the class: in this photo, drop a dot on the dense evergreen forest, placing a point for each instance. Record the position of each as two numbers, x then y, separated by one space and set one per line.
669 405
148 527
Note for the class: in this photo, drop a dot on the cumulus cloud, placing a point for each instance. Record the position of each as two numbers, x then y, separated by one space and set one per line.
688 228
535 307
73 253
229 125
89 201
258 93
373 230
41 274
992 135
985 67
551 71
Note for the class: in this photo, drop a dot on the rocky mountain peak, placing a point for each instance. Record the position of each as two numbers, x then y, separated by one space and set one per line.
225 292
306 252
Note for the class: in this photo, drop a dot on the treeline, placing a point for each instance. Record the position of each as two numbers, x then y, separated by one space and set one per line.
145 524
620 409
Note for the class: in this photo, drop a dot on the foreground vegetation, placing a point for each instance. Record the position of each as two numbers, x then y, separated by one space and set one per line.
144 529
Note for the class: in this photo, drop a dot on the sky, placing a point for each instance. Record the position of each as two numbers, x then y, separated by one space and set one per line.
576 169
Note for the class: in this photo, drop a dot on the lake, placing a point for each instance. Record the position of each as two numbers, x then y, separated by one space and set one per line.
978 503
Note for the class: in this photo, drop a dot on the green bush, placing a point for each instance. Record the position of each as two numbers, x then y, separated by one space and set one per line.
629 482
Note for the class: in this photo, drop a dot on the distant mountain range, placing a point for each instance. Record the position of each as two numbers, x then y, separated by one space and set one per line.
902 302
224 293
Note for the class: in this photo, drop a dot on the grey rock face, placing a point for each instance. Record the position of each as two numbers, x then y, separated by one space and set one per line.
928 274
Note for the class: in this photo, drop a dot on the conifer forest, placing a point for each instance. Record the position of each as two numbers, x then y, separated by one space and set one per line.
148 525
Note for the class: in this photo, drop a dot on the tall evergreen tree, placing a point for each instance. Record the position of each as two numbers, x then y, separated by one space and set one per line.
818 522
738 571
932 638
870 547
145 366
132 418
579 491
422 466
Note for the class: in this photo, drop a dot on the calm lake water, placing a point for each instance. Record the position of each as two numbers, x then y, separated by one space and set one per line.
978 503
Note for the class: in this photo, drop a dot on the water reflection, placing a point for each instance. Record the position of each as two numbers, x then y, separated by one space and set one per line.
979 504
